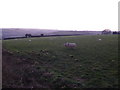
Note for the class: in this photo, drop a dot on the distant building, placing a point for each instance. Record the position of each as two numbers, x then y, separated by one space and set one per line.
106 31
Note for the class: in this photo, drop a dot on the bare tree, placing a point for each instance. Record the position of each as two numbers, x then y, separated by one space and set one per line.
106 31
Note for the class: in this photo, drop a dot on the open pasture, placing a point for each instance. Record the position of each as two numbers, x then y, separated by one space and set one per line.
93 63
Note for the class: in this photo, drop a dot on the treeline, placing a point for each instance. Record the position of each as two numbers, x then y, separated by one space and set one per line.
116 32
42 35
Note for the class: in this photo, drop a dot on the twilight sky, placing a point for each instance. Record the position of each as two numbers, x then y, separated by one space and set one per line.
59 14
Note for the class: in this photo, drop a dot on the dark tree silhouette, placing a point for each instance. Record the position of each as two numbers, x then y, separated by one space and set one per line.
28 35
115 32
118 32
42 34
106 31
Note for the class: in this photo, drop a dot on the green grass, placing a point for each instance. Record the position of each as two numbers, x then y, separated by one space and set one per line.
92 63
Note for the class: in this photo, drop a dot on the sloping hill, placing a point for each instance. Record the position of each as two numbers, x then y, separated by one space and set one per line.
14 32
20 32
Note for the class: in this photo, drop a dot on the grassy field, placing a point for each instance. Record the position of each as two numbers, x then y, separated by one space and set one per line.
92 64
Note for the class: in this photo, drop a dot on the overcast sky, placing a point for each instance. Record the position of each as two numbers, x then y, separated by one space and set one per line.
59 14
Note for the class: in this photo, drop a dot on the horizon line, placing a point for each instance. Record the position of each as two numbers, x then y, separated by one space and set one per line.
58 29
